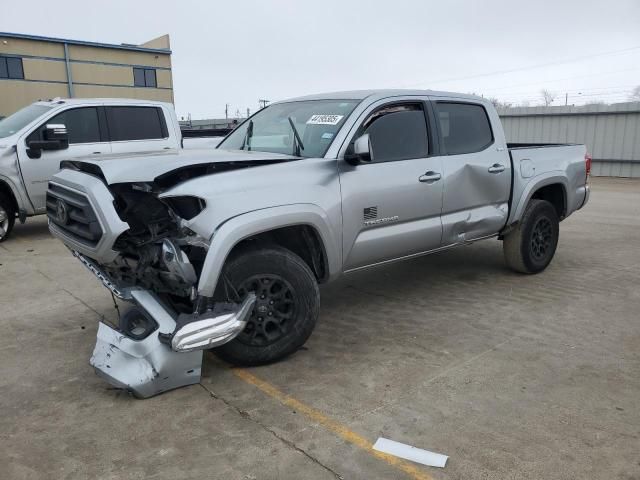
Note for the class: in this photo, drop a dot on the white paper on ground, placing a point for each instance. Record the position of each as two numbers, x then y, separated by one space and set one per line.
408 452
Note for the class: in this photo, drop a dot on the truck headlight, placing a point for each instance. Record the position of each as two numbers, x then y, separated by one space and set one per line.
186 207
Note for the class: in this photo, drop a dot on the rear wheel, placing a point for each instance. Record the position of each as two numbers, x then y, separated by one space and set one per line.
531 245
7 217
286 308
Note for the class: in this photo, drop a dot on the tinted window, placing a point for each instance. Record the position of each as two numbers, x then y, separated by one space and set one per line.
14 66
82 125
398 133
150 78
138 77
144 77
11 67
135 123
464 128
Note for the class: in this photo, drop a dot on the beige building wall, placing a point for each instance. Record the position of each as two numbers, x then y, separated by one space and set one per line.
96 70
93 91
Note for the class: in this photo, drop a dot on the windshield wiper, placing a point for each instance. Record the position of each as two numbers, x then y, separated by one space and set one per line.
298 143
247 136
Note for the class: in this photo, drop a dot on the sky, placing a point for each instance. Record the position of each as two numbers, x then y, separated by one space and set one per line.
240 51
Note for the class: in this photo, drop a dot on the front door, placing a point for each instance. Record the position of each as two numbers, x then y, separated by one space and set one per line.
391 206
85 138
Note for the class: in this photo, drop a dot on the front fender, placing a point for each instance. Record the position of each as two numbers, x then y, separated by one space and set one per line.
238 228
10 176
524 191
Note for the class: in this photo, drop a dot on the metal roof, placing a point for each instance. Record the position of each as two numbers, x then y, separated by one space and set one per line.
134 48
381 93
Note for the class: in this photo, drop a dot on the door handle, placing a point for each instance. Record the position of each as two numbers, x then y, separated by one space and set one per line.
96 153
430 177
496 168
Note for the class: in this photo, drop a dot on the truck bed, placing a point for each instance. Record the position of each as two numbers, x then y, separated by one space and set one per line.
551 163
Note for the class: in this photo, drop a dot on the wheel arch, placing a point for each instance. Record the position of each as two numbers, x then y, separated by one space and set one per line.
303 229
7 192
552 188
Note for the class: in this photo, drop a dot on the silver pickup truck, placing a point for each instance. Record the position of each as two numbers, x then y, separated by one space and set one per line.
224 249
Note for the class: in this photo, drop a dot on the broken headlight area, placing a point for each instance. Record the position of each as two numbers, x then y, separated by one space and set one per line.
157 253
186 207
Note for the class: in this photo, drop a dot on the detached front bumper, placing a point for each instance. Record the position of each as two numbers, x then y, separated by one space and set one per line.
171 355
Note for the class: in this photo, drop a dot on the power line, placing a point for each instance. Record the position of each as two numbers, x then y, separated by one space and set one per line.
611 72
530 67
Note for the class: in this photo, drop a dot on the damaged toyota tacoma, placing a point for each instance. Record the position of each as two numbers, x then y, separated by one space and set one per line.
224 249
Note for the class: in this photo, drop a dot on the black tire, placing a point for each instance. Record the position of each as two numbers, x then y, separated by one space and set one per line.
285 313
531 245
6 208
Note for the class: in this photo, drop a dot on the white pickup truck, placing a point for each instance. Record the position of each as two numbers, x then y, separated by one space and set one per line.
35 139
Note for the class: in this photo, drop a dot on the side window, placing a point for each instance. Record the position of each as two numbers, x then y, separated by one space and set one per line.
144 77
397 132
82 124
11 67
136 123
464 127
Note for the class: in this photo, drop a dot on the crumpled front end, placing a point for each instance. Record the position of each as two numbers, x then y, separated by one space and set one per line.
137 246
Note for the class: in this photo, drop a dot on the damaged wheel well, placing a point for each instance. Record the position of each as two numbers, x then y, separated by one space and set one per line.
303 240
555 195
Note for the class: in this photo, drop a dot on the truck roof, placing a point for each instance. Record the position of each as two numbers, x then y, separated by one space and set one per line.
381 93
99 101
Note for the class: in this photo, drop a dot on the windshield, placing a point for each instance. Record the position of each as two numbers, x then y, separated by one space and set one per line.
304 129
16 122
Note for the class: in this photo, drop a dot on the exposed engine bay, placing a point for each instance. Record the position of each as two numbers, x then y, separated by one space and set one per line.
155 251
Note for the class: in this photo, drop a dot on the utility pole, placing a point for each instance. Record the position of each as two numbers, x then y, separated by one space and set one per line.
226 111
263 103
248 112
566 99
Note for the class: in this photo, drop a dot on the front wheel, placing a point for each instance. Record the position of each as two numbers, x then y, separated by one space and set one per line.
531 245
286 308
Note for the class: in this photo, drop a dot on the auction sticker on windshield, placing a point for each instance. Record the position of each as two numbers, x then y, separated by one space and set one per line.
324 119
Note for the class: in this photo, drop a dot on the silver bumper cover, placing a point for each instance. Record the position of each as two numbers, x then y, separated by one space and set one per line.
148 366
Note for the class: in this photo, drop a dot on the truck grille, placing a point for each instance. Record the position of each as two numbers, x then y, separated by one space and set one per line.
71 212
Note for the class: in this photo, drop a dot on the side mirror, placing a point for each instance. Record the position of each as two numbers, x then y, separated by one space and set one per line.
57 132
360 151
56 137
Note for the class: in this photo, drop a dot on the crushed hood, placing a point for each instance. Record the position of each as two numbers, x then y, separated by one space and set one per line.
148 166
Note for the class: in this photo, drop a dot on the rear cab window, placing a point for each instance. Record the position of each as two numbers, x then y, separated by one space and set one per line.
463 127
136 123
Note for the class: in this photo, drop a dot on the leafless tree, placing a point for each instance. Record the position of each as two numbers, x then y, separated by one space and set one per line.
547 97
498 104
635 94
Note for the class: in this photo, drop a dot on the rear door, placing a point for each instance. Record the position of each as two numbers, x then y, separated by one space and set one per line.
135 128
391 206
476 171
87 136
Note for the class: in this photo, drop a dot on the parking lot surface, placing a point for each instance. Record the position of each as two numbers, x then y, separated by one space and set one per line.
512 376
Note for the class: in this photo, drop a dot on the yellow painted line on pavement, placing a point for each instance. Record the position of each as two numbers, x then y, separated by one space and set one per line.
332 425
